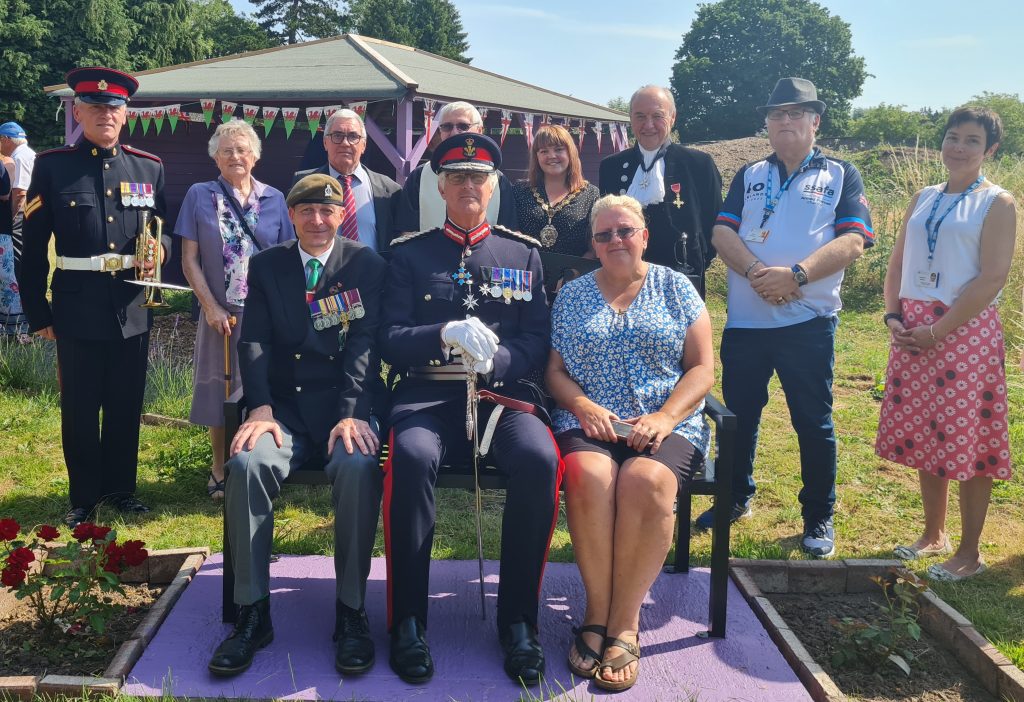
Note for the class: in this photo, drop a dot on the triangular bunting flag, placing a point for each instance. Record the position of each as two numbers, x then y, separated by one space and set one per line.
269 115
249 113
545 120
359 108
227 110
428 115
598 130
484 111
208 105
583 132
173 113
133 119
158 117
330 110
506 122
147 115
289 115
313 118
528 128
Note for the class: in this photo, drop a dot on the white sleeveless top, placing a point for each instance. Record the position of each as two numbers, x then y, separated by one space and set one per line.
958 249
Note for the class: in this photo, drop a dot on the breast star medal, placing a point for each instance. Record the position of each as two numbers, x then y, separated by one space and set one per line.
470 301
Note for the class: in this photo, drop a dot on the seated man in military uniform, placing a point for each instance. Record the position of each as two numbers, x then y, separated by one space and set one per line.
474 290
312 380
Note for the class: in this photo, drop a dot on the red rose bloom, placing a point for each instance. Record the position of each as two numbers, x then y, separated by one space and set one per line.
12 577
112 558
100 532
9 529
20 558
48 533
134 553
83 532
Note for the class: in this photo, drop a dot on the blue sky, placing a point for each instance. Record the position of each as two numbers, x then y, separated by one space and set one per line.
922 53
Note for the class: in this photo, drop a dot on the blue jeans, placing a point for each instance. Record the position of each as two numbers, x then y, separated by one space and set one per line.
803 356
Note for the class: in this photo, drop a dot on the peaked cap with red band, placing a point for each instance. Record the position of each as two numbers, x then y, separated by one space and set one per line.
102 86
466 152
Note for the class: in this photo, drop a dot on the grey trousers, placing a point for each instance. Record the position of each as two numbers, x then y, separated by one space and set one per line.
254 480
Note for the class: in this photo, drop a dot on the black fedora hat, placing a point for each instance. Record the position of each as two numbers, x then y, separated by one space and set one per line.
793 91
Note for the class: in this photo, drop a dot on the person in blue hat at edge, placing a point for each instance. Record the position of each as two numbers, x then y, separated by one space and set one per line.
92 197
467 297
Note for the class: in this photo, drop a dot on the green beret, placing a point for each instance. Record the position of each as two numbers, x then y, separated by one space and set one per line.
316 187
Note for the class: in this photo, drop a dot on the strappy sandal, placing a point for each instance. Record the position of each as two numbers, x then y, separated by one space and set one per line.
213 486
585 651
632 653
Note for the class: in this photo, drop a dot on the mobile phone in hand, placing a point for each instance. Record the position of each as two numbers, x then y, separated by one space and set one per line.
622 429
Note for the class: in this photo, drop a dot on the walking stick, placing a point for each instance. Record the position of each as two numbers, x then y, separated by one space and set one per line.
472 402
232 321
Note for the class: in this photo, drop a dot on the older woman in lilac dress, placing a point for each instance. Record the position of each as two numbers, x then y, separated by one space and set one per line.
223 223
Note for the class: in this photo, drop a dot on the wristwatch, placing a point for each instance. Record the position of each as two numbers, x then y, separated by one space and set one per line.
799 275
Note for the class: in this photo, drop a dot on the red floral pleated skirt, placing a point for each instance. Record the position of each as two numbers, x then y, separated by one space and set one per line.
945 410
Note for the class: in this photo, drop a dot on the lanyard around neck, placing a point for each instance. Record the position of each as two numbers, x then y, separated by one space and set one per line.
770 203
931 225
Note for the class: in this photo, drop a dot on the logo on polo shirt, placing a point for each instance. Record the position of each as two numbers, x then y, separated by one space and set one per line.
822 195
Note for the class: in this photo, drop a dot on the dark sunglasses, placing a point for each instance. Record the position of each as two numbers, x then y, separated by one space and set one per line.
350 137
461 126
624 233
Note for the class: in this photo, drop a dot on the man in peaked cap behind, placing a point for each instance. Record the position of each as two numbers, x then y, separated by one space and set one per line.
77 197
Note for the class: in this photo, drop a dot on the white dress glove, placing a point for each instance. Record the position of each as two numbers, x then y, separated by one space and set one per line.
472 336
484 367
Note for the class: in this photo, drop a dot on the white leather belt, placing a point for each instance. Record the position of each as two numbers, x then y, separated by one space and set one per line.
105 263
452 372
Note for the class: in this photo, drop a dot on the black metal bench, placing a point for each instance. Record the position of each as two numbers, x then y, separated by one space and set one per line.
715 480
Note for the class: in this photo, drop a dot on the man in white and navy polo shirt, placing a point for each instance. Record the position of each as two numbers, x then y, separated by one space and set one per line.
790 226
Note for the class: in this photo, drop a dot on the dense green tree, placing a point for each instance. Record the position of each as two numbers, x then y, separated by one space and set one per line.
230 33
1011 111
293 21
21 37
431 25
737 49
167 33
893 124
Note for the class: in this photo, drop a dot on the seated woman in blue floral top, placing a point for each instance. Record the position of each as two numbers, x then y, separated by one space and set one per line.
631 361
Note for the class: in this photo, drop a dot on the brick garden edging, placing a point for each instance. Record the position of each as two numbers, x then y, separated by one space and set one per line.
171 567
754 578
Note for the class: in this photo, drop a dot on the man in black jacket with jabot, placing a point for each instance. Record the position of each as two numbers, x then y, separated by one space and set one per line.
679 188
311 375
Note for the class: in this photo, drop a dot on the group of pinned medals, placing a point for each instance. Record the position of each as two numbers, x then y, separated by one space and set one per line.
333 310
503 284
137 195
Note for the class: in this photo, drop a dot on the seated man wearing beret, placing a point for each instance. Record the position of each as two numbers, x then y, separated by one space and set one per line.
311 376
467 297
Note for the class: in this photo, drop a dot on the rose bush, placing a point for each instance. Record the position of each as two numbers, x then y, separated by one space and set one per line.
73 591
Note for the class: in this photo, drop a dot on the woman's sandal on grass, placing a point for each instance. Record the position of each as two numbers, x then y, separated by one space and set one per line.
214 486
585 651
620 662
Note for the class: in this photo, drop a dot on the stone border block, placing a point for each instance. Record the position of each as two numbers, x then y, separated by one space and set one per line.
18 687
124 659
978 655
825 577
745 582
77 686
769 576
939 619
165 568
859 572
1011 683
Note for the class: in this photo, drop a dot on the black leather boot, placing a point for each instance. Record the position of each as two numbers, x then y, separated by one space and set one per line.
524 658
253 630
410 655
355 647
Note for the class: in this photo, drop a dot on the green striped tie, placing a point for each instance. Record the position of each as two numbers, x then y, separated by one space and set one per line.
313 267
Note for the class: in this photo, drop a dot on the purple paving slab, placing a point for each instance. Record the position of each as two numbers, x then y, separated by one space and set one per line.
677 664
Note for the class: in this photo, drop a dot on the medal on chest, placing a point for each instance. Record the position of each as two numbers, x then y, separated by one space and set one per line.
677 188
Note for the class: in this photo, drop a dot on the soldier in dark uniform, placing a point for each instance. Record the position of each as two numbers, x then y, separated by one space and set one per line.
311 375
474 288
92 197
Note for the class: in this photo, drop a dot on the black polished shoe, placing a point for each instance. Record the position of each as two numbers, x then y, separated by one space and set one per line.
253 630
355 647
129 504
524 658
410 655
77 515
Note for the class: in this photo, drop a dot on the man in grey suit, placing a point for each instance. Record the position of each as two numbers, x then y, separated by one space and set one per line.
372 195
310 368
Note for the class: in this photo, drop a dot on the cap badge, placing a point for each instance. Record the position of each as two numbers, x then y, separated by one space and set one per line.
328 192
469 151
102 85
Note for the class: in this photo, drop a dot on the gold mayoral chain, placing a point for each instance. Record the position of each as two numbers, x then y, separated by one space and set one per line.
549 234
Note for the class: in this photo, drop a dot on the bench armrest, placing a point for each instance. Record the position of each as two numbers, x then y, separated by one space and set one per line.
718 413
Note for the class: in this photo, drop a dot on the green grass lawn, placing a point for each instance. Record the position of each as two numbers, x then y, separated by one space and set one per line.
878 504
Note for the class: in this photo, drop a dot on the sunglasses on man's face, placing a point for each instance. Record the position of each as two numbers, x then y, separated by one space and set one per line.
623 234
352 138
461 178
460 126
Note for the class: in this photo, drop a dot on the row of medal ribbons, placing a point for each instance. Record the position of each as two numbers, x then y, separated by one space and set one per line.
137 195
508 283
336 309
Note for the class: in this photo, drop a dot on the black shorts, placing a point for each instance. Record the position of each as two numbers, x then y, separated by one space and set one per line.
676 452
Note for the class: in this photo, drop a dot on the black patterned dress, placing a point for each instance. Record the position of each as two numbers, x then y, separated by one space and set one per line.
572 221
